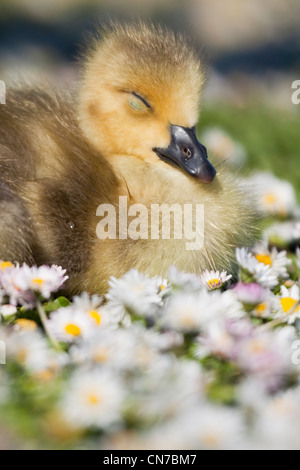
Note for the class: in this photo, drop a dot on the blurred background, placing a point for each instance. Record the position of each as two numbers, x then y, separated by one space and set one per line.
253 48
248 118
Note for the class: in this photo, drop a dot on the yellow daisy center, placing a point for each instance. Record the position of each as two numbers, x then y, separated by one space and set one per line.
270 198
100 355
213 283
38 281
21 355
261 308
73 330
44 375
188 320
5 264
211 440
95 316
257 347
25 324
162 287
288 303
265 259
93 399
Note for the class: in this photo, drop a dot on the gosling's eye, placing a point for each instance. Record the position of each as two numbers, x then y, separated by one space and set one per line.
137 102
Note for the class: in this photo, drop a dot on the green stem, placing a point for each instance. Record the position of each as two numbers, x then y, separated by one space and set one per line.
279 320
44 321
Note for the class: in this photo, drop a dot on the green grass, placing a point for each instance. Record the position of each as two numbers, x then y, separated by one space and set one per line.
271 137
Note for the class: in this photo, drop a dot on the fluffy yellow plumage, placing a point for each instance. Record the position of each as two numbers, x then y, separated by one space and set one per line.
128 132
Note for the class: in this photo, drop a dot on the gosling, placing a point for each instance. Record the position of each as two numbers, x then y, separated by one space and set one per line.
128 131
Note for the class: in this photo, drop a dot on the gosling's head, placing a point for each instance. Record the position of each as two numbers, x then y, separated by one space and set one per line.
140 97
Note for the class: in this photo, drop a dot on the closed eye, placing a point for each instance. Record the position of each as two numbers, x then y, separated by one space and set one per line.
141 99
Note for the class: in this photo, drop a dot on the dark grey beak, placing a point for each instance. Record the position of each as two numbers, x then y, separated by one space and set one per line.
186 152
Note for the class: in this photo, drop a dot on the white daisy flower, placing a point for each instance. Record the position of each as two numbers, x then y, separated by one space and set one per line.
211 427
250 294
189 312
30 349
134 293
266 354
275 196
69 325
92 306
115 348
289 303
221 144
15 286
6 265
183 281
21 283
164 392
163 285
214 279
266 308
217 341
7 310
183 312
277 261
43 280
277 422
283 233
93 399
259 271
24 324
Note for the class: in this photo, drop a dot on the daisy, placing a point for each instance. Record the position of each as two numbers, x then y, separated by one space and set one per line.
221 144
25 324
92 306
164 392
211 427
183 313
217 341
183 281
163 285
277 261
266 308
275 196
277 423
43 280
250 294
12 282
6 265
69 325
93 399
115 348
266 354
189 312
283 233
29 349
289 303
7 310
214 279
134 293
22 283
256 268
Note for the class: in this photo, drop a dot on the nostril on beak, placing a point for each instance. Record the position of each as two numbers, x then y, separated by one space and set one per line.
186 152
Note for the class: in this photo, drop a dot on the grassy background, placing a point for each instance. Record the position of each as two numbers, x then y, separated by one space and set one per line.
271 137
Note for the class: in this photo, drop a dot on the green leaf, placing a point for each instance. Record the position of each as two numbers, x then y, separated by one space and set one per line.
56 304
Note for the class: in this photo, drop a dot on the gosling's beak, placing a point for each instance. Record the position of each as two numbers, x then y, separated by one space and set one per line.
186 152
